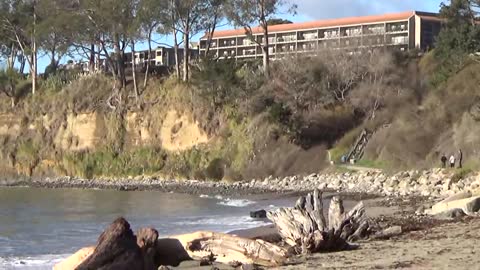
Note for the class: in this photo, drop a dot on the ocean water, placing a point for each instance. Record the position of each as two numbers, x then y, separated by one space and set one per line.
40 227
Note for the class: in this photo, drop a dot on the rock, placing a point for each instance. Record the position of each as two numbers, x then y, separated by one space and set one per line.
468 205
258 214
453 213
458 196
420 210
389 232
322 186
247 267
163 267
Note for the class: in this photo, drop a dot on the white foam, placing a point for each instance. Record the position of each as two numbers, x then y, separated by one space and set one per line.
40 262
236 202
225 223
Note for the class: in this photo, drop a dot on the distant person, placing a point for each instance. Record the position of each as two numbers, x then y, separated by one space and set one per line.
452 161
460 158
443 159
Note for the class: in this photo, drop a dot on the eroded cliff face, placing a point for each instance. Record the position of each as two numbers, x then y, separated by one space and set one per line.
34 146
80 132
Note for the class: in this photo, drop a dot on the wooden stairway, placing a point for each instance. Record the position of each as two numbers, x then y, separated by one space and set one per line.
358 149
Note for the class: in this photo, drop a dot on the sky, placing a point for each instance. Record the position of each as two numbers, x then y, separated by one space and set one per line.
308 10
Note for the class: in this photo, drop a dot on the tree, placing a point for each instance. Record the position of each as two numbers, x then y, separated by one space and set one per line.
18 20
52 30
94 23
244 13
189 17
9 79
459 37
277 21
216 14
152 15
344 72
382 83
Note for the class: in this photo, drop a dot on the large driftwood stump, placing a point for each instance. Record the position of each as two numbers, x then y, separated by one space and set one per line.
116 249
305 229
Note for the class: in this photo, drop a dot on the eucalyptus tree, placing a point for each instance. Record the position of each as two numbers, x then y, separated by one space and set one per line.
110 30
216 14
18 22
53 30
189 18
245 13
152 15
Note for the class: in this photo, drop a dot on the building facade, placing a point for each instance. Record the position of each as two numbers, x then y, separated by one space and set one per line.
159 57
402 31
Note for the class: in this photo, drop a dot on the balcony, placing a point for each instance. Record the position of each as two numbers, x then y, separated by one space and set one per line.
397 27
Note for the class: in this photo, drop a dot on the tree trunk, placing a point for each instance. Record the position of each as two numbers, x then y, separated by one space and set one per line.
266 53
304 228
177 55
210 36
120 64
91 64
12 57
134 73
186 55
117 248
22 65
33 68
147 69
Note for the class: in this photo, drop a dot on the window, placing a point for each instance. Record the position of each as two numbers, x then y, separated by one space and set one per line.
159 53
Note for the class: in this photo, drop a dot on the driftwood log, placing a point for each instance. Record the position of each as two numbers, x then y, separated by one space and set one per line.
304 227
233 250
118 248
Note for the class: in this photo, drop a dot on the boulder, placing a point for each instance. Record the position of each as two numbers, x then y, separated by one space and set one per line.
258 214
458 196
468 205
453 213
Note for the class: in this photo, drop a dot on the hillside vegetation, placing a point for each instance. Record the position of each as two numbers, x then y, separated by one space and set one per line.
233 120
252 127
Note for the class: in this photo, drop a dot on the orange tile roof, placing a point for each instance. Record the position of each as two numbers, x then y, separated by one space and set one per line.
319 24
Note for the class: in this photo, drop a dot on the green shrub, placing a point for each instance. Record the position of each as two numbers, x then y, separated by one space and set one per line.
142 161
215 170
461 174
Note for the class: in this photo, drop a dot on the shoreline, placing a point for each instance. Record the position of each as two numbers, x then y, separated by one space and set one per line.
434 184
396 207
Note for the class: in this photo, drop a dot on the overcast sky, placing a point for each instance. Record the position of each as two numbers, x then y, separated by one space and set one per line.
327 9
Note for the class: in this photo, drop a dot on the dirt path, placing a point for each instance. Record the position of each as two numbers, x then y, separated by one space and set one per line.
450 246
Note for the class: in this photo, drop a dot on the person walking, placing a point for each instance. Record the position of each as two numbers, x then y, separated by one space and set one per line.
443 159
460 159
452 161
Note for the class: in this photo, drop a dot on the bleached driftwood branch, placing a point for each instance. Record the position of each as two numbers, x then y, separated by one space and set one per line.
304 228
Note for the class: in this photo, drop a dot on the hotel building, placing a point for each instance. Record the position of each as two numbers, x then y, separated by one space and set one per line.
402 31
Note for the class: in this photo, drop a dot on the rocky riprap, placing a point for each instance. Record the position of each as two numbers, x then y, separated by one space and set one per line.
430 183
